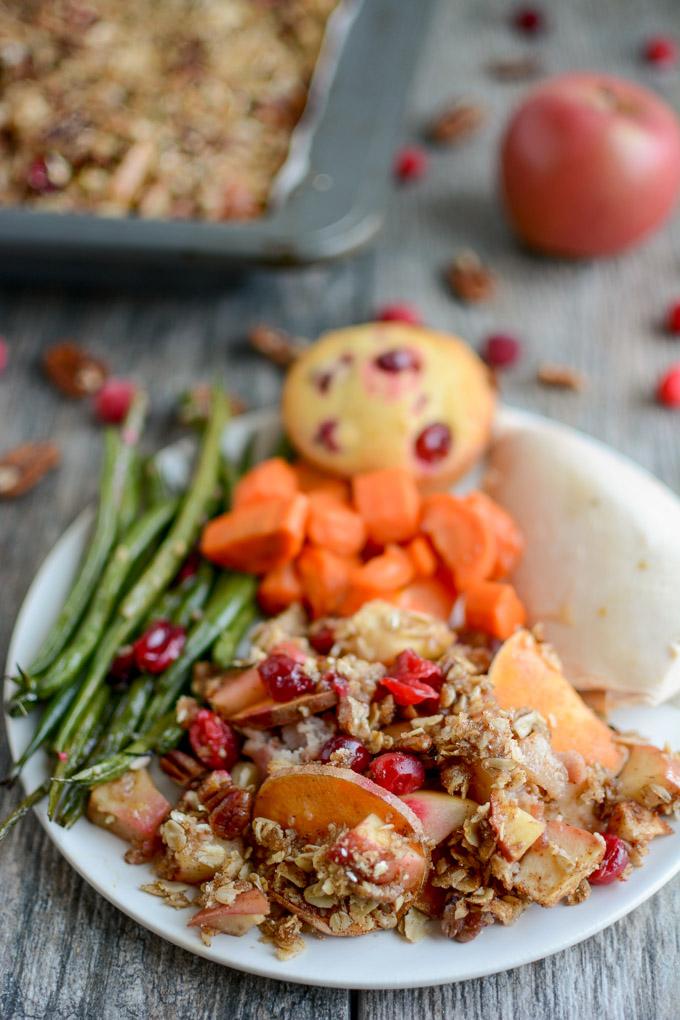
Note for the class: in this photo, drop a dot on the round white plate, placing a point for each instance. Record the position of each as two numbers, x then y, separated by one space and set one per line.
379 960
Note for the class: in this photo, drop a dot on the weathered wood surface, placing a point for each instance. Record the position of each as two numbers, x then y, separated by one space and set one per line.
64 952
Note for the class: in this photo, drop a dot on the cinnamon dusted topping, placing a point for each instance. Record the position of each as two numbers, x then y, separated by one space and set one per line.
24 466
469 279
285 933
456 122
560 377
73 370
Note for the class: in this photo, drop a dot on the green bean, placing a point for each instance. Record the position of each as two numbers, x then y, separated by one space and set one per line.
54 712
224 649
161 738
119 451
156 488
284 448
72 743
247 458
229 477
131 500
22 808
193 602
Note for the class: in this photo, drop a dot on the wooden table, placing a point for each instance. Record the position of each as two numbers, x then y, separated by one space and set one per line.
64 951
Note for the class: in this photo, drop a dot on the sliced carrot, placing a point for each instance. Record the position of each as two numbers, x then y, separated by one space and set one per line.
325 578
509 539
333 525
279 588
389 502
311 479
495 608
422 556
258 537
269 479
462 538
426 595
379 577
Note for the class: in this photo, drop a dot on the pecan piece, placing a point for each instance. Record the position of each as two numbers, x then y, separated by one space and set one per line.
182 768
274 344
469 279
560 377
23 467
73 371
231 817
455 122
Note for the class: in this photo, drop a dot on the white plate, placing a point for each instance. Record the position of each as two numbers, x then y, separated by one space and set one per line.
379 960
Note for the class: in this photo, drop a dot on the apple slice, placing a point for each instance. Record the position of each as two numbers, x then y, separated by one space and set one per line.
649 772
556 866
525 675
635 823
131 807
268 713
516 830
234 690
236 918
440 813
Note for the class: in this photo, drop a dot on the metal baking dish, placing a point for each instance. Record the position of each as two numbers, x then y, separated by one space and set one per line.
335 209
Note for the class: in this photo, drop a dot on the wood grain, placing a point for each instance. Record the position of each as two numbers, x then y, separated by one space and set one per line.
65 953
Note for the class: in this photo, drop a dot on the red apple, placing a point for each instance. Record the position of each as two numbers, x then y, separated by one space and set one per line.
590 164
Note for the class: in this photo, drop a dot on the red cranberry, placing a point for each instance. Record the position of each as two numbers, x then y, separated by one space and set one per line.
668 388
529 19
189 568
123 667
336 683
409 666
360 759
38 177
400 359
501 350
409 692
113 400
433 443
322 640
673 318
661 50
159 646
323 380
4 355
213 740
614 862
410 163
284 678
397 772
326 435
399 313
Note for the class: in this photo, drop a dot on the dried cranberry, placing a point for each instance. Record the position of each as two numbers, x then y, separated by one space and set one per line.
4 355
529 20
614 862
189 568
38 176
284 678
501 350
325 435
123 667
159 646
400 359
661 50
408 665
433 443
673 318
213 740
408 692
668 388
397 772
322 640
410 163
323 380
400 312
112 401
360 758
336 683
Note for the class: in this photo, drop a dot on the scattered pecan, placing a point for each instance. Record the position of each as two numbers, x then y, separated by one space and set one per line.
275 344
194 405
469 279
23 467
455 122
182 768
560 377
73 371
515 69
231 816
213 788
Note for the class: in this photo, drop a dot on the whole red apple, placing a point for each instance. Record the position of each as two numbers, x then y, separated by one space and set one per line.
590 164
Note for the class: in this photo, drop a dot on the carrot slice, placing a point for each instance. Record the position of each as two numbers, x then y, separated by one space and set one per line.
333 525
258 537
389 502
494 608
422 556
463 539
325 578
311 479
378 578
279 588
269 479
426 595
509 539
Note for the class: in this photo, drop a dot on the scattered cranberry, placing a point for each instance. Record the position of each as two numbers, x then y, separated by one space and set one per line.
159 646
400 359
322 640
112 401
661 50
123 667
529 19
326 435
284 678
336 683
410 666
399 312
38 176
360 759
213 740
410 163
614 862
501 350
673 318
408 692
4 355
433 443
397 772
668 388
62 755
189 568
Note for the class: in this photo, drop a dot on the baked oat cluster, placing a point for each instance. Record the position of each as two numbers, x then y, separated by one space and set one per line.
181 109
360 805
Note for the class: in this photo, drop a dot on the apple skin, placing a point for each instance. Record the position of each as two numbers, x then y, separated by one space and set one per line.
268 713
589 165
440 813
248 909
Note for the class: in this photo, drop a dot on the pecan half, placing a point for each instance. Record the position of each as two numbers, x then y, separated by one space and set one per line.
23 467
275 344
456 122
231 816
518 69
560 377
73 371
182 768
469 279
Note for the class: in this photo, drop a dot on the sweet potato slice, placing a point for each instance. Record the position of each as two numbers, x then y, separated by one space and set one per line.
267 713
236 690
525 675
